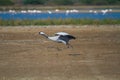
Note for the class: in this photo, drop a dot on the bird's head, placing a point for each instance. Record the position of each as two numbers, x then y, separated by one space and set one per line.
41 33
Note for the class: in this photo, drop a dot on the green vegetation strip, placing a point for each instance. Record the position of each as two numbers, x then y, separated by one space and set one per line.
59 22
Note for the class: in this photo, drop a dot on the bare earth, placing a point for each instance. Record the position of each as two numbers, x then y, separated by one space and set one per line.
25 55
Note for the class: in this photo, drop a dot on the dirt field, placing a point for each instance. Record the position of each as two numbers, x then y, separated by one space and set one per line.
25 55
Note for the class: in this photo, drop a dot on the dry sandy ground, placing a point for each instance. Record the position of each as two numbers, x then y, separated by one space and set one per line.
25 55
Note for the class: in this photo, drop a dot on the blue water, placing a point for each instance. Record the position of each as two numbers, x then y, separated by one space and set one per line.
110 15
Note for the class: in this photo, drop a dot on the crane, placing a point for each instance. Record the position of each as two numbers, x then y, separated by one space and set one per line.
60 37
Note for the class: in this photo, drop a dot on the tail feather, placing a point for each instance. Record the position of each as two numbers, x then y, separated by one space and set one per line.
71 37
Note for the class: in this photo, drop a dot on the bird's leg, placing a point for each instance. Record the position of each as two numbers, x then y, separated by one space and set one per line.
68 45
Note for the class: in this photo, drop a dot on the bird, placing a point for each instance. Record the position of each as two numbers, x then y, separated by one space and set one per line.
90 11
50 12
104 11
60 37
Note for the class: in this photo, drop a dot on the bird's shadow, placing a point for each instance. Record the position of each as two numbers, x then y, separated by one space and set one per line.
59 48
74 54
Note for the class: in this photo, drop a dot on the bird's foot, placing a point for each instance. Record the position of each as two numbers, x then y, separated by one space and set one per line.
69 46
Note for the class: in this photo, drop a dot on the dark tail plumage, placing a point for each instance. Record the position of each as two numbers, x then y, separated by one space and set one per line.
71 37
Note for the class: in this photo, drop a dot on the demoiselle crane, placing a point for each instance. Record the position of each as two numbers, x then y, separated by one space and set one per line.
60 37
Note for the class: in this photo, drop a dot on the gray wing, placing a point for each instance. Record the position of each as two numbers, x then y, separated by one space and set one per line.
66 37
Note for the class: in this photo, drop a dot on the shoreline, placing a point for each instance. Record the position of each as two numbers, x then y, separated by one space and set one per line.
57 10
